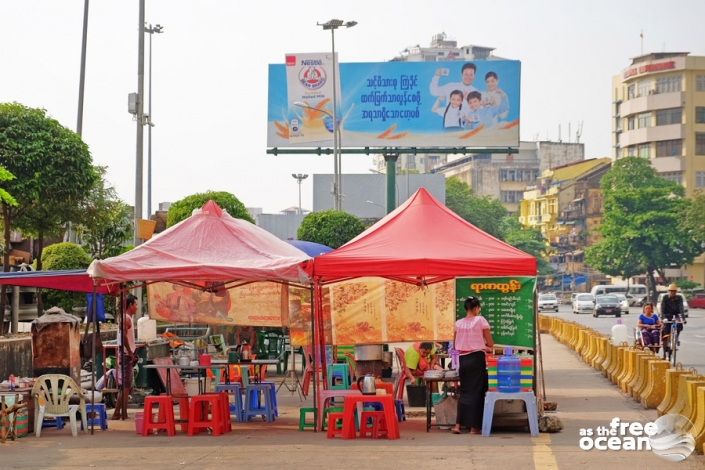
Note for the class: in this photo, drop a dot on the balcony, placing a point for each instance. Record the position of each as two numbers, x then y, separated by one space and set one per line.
652 102
652 134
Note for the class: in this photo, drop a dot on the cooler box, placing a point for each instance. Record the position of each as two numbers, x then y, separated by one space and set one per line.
527 373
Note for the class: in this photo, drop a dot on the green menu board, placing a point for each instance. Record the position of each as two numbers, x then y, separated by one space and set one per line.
507 304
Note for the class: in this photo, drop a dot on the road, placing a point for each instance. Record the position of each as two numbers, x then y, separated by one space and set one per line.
692 338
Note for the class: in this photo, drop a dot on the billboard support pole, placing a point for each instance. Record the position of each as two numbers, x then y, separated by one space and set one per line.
391 160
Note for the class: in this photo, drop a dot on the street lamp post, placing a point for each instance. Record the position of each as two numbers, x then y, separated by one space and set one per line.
378 205
333 25
158 29
299 178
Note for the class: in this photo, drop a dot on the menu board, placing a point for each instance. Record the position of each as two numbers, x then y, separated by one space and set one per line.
507 304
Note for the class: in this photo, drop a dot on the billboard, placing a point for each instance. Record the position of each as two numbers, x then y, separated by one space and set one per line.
401 104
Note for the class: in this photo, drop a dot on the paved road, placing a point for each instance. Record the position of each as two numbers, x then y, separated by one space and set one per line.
692 338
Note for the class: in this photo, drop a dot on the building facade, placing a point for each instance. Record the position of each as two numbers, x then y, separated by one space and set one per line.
658 113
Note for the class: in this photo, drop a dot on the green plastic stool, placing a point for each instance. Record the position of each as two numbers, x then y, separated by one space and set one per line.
341 371
302 418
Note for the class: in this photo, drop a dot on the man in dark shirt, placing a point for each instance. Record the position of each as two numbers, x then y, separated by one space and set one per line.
672 306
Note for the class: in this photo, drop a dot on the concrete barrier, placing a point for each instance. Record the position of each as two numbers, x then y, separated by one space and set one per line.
690 398
699 421
609 354
680 393
638 378
653 395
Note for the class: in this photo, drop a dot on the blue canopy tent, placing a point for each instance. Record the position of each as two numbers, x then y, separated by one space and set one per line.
310 248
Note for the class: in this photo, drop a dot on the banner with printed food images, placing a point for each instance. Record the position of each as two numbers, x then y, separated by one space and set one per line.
255 304
506 302
376 310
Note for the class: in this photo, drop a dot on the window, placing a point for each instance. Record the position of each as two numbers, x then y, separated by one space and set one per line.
668 116
631 123
700 143
644 120
644 150
616 108
511 196
675 176
644 87
421 160
700 115
669 148
700 83
668 84
410 159
700 179
630 151
631 92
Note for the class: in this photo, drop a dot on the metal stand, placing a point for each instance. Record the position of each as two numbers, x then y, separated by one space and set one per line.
291 378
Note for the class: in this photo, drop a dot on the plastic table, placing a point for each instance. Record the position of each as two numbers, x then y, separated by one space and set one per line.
429 396
387 401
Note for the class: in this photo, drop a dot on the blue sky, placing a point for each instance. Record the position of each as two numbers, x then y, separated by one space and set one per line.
210 74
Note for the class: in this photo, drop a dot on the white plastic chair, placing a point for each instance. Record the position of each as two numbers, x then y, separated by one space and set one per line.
52 393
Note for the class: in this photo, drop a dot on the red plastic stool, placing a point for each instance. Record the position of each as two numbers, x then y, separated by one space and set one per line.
332 424
224 410
183 411
378 427
198 418
165 418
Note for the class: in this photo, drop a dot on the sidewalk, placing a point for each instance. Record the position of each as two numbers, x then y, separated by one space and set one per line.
585 400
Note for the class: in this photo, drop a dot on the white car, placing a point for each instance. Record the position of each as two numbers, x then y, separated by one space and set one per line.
548 302
583 303
623 303
662 295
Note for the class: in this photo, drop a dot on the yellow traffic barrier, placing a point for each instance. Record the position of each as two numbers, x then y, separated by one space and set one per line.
545 324
681 392
609 356
638 375
699 421
633 369
574 339
691 386
672 377
655 390
619 363
581 346
589 346
629 369
642 379
601 343
560 331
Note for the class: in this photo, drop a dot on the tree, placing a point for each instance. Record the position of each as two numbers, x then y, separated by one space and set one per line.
106 221
643 222
332 228
53 173
527 239
484 212
181 210
62 256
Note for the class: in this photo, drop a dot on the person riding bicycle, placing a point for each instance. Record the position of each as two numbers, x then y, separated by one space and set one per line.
672 306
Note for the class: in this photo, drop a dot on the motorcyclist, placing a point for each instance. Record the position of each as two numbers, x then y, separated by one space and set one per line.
672 306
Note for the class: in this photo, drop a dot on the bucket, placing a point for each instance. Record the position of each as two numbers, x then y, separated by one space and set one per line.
145 228
139 419
417 395
204 360
191 386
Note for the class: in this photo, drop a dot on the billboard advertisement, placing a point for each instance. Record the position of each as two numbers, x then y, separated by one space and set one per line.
399 104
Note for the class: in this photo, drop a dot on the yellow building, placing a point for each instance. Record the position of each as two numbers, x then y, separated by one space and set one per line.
658 109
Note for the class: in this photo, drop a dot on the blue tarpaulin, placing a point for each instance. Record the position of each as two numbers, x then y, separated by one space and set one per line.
578 280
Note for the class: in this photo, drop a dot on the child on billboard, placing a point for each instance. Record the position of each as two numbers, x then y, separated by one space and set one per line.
452 113
494 96
477 115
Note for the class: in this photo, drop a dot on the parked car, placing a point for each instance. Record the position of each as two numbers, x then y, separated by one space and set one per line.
606 305
662 295
698 301
623 303
583 303
548 302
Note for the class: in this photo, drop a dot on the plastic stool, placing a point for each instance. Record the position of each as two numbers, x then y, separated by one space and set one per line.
57 423
341 371
252 407
274 396
401 411
96 416
378 427
302 418
236 408
333 429
529 399
226 424
375 405
166 415
198 418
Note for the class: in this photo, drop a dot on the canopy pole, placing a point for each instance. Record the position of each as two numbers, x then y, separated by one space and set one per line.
93 368
313 348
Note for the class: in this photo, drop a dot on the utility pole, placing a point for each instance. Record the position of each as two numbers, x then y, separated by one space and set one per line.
82 79
140 122
151 30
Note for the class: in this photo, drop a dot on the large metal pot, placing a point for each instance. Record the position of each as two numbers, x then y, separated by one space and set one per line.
369 352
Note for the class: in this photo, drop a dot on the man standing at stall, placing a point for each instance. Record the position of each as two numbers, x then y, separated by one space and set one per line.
127 358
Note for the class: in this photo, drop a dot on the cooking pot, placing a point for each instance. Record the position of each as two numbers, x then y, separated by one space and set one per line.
184 360
367 387
369 352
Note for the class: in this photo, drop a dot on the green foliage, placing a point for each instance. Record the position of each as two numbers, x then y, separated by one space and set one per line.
332 228
694 220
106 222
643 223
63 256
484 212
4 195
181 210
527 239
685 285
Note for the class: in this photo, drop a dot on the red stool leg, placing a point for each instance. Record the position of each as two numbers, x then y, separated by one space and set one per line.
332 427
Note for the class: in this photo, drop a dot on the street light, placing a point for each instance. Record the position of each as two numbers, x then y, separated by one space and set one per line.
158 29
299 178
332 25
384 211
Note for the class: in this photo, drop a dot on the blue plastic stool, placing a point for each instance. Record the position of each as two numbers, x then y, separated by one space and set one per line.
252 407
274 396
91 419
374 406
401 411
529 399
236 408
339 371
57 423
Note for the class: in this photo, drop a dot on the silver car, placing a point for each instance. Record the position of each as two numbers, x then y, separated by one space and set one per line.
583 303
623 303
